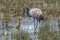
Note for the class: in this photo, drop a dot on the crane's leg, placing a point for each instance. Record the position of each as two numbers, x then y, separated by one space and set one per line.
36 24
34 27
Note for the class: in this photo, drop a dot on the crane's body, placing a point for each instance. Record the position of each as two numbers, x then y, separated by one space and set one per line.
17 25
35 13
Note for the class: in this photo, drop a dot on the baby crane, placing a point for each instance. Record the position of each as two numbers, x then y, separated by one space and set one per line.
18 24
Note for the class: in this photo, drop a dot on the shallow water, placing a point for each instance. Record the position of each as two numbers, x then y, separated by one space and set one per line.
27 25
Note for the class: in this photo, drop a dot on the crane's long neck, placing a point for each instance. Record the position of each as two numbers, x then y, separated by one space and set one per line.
19 22
26 9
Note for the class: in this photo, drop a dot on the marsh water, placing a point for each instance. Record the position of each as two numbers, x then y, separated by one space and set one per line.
27 25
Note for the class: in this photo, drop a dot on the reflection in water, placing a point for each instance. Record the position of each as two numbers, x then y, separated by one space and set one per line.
54 25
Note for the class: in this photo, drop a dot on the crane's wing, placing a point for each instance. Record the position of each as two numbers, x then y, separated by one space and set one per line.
35 11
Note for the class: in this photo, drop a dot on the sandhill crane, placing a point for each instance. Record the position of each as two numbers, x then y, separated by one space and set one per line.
18 24
35 13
